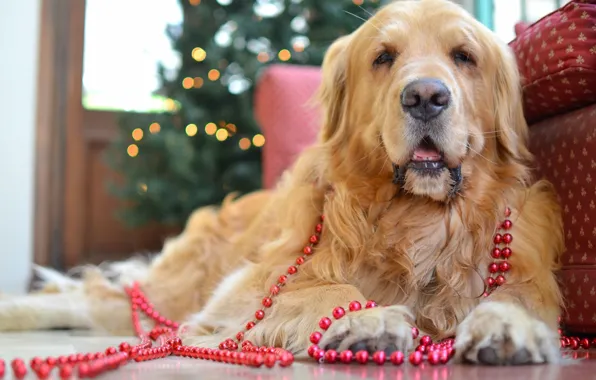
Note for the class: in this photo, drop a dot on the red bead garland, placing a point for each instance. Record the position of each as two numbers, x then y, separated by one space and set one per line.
501 254
243 352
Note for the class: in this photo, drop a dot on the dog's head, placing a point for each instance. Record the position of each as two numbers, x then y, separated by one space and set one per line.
426 92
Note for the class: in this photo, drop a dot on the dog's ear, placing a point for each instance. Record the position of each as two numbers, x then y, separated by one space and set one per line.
510 123
332 91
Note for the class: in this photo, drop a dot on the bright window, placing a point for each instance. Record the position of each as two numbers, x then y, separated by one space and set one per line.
507 13
125 40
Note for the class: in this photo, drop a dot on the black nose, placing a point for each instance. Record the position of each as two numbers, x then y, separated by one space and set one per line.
424 99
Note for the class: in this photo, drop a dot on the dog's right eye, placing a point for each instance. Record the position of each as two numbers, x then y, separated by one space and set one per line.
384 58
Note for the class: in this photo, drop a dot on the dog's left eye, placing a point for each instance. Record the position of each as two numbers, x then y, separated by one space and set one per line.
461 57
384 58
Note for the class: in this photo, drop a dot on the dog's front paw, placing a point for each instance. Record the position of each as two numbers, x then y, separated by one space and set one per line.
498 333
381 328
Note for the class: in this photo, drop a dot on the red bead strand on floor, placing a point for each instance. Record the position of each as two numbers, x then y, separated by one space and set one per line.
163 341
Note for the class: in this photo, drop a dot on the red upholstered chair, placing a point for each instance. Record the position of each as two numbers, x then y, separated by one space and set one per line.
557 59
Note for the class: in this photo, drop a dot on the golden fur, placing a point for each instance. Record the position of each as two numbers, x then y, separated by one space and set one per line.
418 250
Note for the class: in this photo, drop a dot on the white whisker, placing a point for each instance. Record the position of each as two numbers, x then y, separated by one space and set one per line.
363 19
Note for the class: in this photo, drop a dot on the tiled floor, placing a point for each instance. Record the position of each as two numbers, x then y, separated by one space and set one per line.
28 345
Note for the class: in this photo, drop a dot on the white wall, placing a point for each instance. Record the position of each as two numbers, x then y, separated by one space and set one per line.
19 34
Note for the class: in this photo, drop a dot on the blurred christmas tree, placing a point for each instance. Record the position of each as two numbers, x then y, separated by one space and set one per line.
208 144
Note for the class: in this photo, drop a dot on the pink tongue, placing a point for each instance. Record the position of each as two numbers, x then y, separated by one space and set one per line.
422 154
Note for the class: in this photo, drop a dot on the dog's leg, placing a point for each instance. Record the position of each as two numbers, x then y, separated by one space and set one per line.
295 314
44 311
517 323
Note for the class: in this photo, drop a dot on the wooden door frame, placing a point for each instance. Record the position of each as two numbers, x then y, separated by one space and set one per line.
59 181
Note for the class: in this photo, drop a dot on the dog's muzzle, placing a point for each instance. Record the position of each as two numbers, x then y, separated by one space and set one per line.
399 178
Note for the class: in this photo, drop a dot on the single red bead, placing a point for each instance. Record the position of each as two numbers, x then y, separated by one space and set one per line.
315 337
493 268
312 349
286 359
338 312
507 212
422 348
415 358
258 360
585 343
426 340
20 372
51 361
250 325
507 224
361 356
65 372
307 250
354 306
443 356
496 253
379 357
319 228
43 371
80 357
331 356
370 304
35 362
269 360
574 343
397 357
124 347
324 323
111 351
292 270
498 238
259 314
322 217
507 238
319 354
274 289
500 280
504 266
346 356
314 239
2 368
300 260
240 335
62 360
267 302
506 252
282 279
563 343
415 333
490 281
433 358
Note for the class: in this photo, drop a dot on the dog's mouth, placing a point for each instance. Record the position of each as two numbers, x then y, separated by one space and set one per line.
427 158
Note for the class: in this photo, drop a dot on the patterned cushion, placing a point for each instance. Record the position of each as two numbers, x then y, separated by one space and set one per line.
289 122
565 150
557 59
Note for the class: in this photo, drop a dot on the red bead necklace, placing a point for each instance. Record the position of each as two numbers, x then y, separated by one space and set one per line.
163 340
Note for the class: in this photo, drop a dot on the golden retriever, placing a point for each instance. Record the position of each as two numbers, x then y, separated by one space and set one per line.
421 152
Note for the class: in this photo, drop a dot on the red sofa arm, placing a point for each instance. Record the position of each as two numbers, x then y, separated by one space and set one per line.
288 120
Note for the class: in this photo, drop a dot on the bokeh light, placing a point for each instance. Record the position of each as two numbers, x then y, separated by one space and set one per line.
188 82
198 83
137 134
244 143
191 129
213 74
210 128
221 134
154 128
198 54
284 55
258 140
132 150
